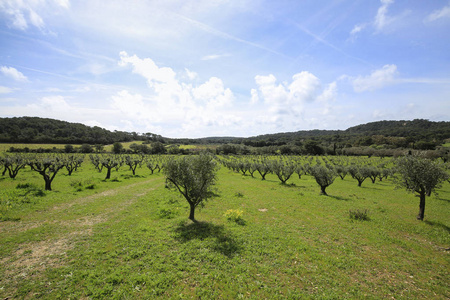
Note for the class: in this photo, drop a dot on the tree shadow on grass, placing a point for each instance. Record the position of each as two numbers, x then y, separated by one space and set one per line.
441 199
222 241
438 224
338 198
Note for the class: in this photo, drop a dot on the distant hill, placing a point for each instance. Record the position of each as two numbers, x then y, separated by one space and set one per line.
413 131
396 133
42 130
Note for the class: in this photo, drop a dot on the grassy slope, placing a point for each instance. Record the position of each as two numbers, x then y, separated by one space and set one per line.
4 147
116 241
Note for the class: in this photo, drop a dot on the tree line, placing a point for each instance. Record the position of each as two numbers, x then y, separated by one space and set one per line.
383 137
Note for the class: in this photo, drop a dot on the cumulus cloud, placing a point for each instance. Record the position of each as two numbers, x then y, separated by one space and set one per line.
439 14
376 80
303 88
172 97
148 69
13 73
285 103
190 74
254 96
213 93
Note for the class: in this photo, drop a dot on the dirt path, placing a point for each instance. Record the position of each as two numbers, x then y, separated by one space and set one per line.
15 227
30 259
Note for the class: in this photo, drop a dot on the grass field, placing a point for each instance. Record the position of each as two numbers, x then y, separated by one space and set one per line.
5 147
129 238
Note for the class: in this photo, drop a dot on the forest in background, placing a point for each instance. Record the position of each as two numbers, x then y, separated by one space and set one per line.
380 138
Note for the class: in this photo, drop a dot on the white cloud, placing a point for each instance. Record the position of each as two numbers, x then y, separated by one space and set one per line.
213 93
439 14
381 19
148 69
270 92
303 87
356 30
174 102
214 56
376 80
382 22
60 108
63 3
329 93
13 73
5 90
55 104
131 105
190 74
285 103
254 96
20 14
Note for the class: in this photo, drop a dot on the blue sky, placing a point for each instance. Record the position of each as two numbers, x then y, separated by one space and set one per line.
222 67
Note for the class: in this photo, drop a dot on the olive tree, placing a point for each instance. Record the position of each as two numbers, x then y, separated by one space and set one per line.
324 176
360 173
194 177
13 164
421 176
48 167
73 162
283 169
133 162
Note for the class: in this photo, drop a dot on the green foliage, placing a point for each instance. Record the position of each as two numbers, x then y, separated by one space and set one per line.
167 213
43 130
235 215
47 166
194 177
324 176
283 169
117 148
359 214
13 164
113 243
81 184
421 176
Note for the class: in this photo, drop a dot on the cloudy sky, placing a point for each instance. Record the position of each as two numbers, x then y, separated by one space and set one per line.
197 68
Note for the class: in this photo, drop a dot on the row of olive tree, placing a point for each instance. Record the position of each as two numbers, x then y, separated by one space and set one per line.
413 172
47 165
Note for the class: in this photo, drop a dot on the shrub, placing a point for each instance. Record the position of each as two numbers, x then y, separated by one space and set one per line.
359 214
166 213
234 215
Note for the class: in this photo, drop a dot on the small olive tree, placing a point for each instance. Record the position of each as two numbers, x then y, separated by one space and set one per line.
48 167
194 177
324 176
13 164
421 176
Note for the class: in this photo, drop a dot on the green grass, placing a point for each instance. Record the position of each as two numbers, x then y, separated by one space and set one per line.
5 146
129 238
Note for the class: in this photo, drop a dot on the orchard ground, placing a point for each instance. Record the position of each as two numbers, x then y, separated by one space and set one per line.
130 237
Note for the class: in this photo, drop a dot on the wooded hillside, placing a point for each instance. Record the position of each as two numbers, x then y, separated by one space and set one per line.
417 134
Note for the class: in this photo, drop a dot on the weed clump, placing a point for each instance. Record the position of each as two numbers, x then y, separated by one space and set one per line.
235 215
79 185
359 214
167 213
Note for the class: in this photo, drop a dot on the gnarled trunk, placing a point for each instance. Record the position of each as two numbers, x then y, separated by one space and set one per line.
192 212
421 214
